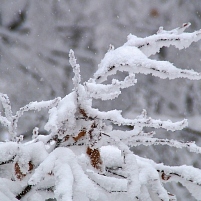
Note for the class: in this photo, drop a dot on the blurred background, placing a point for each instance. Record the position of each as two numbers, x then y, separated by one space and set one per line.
35 39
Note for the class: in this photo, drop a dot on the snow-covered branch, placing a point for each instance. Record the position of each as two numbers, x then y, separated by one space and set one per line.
131 59
176 37
110 91
116 118
186 175
133 56
11 121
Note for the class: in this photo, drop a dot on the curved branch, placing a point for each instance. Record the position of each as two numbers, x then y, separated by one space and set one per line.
152 44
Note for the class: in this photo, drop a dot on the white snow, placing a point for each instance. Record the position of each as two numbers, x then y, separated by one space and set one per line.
86 153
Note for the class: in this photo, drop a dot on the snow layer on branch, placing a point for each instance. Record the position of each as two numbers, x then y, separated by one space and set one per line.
149 176
6 105
64 182
132 170
5 122
8 151
63 164
132 60
62 114
11 121
110 91
152 44
111 156
76 69
116 118
189 177
34 152
148 141
37 106
110 184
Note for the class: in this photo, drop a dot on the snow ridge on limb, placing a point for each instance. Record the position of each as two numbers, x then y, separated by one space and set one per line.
76 70
147 141
188 176
8 119
132 60
176 37
66 171
110 91
11 121
37 106
115 117
133 55
6 105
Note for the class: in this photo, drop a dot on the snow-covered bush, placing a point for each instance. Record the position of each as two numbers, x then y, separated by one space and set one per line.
86 153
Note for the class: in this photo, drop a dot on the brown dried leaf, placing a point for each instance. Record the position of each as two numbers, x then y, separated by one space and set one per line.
81 134
95 157
19 173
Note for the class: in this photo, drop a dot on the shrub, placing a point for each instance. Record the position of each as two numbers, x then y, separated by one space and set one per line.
86 154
